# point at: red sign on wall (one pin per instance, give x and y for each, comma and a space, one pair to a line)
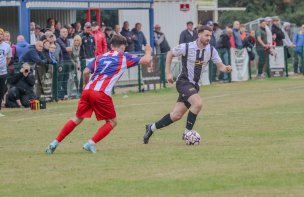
184, 7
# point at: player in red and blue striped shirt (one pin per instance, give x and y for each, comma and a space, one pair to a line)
96, 95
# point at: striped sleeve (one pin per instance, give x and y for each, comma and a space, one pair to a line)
131, 60
92, 65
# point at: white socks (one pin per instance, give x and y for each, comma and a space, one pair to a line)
153, 127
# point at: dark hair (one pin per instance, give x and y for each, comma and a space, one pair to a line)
189, 22
203, 28
118, 40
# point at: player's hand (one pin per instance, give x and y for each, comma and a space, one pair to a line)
170, 79
228, 68
148, 47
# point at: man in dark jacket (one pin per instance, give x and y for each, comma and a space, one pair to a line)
188, 35
125, 32
21, 91
140, 38
88, 47
65, 63
275, 29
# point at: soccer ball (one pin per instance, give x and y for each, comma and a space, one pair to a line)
192, 138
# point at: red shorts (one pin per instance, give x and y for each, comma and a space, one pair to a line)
99, 102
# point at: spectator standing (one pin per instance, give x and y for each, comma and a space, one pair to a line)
217, 31
188, 35
34, 54
275, 29
57, 29
88, 47
21, 47
76, 61
213, 40
116, 30
5, 58
65, 64
298, 41
38, 33
287, 43
33, 38
100, 39
140, 39
125, 32
160, 41
108, 32
52, 40
78, 30
268, 30
237, 35
21, 91
249, 43
262, 47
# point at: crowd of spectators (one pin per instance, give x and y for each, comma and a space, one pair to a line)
67, 45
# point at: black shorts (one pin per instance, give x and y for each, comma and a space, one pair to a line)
185, 90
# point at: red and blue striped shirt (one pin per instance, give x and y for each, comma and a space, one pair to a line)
108, 68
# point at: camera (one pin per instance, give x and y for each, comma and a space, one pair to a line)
26, 70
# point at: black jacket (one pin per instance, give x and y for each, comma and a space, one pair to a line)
223, 42
33, 56
25, 84
130, 39
280, 35
88, 47
64, 55
186, 37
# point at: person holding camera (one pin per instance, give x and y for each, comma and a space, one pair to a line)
21, 91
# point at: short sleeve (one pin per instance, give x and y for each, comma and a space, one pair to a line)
258, 33
9, 52
131, 60
215, 56
92, 65
179, 50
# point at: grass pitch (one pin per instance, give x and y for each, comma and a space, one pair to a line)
252, 145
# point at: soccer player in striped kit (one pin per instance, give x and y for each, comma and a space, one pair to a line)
96, 95
195, 58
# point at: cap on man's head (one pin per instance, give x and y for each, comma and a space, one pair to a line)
49, 34
94, 24
262, 20
276, 18
210, 23
68, 26
268, 19
87, 25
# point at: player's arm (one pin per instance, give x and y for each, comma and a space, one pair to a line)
86, 75
147, 57
223, 68
169, 75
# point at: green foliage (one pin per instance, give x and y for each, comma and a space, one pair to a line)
291, 10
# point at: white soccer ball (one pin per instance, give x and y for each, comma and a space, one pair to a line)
192, 138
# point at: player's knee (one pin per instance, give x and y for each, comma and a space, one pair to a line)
77, 120
113, 123
175, 116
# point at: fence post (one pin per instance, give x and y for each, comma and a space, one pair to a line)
302, 61
163, 69
139, 78
286, 61
229, 60
249, 69
267, 65
55, 82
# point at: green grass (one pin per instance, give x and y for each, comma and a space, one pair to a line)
252, 145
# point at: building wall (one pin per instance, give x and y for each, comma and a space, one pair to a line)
9, 21
167, 14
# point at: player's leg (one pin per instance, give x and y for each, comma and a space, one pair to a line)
196, 106
177, 113
101, 133
65, 131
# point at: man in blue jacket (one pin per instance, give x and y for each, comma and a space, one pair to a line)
21, 46
140, 38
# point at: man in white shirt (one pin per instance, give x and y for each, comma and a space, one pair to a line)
5, 58
195, 58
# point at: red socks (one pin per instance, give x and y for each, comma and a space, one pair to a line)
102, 132
66, 130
